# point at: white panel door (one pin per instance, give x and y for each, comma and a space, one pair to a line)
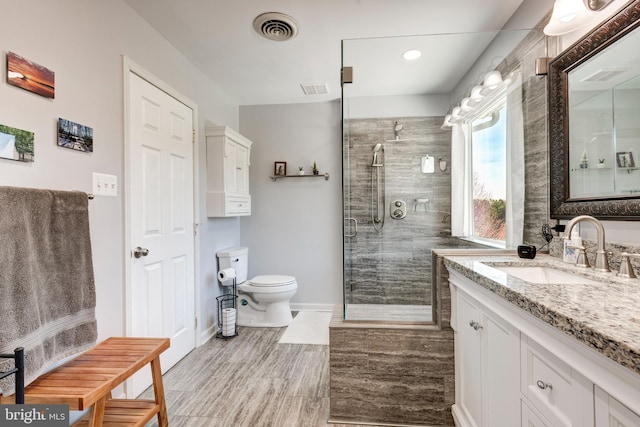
161, 210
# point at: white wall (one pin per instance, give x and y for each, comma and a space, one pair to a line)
83, 43
296, 224
364, 107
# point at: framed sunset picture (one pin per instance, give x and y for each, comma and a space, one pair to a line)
30, 76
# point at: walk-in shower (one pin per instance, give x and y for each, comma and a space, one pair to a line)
377, 188
387, 257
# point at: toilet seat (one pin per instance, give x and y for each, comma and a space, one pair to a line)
269, 284
272, 280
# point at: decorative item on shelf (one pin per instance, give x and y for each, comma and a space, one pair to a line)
280, 168
600, 163
625, 159
300, 170
584, 162
315, 169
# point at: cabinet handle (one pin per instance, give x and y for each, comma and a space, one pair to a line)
475, 325
543, 386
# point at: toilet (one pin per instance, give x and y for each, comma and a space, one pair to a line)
262, 301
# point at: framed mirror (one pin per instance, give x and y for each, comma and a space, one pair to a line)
594, 122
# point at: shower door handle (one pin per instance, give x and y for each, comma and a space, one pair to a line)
355, 227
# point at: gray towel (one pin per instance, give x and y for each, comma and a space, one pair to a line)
47, 289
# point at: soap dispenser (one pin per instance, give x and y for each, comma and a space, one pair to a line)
570, 253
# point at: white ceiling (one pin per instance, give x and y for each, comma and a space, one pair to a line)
218, 37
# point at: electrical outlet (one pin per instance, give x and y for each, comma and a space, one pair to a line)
105, 185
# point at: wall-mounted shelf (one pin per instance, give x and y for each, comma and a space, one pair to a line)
277, 177
603, 168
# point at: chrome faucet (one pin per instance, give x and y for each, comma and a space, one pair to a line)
602, 263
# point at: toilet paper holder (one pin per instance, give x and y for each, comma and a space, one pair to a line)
228, 313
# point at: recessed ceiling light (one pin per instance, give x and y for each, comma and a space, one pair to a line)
412, 55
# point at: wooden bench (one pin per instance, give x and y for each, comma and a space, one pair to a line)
87, 381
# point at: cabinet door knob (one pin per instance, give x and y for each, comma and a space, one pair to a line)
475, 325
543, 386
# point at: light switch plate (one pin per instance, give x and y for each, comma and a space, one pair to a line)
105, 185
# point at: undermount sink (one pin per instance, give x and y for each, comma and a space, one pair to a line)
543, 275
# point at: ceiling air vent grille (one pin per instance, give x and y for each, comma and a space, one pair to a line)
276, 26
315, 88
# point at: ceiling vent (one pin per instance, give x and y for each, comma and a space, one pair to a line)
315, 88
276, 26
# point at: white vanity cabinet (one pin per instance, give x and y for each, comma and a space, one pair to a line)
611, 413
560, 395
228, 161
513, 369
489, 371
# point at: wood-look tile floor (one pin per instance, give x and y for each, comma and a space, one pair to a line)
249, 381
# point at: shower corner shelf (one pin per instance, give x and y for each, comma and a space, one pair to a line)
277, 177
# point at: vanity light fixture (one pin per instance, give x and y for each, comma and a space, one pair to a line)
412, 54
492, 82
493, 79
569, 15
465, 104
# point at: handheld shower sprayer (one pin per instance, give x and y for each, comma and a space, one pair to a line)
376, 150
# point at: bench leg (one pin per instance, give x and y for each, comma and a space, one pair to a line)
96, 417
158, 390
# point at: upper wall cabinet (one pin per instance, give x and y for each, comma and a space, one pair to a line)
228, 155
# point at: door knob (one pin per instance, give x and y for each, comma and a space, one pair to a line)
138, 252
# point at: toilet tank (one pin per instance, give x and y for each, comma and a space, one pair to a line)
236, 258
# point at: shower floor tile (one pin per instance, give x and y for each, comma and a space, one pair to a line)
389, 312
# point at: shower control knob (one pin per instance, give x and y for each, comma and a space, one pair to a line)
398, 209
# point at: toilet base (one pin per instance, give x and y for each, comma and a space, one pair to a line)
266, 315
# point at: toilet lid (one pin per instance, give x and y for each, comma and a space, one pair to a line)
272, 280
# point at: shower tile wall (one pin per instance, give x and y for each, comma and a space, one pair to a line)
394, 266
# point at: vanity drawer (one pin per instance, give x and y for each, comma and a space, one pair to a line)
238, 205
558, 392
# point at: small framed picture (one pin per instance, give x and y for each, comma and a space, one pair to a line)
624, 159
280, 168
75, 136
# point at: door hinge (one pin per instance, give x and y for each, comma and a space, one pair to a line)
193, 136
195, 323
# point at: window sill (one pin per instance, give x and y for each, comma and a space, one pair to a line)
498, 244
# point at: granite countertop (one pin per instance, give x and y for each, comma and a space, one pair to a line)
605, 315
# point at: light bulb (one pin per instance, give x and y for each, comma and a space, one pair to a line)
567, 16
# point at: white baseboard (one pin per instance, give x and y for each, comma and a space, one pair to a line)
207, 334
311, 307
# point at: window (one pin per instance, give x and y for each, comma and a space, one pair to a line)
488, 170
487, 167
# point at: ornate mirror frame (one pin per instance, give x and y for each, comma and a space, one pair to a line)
562, 207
